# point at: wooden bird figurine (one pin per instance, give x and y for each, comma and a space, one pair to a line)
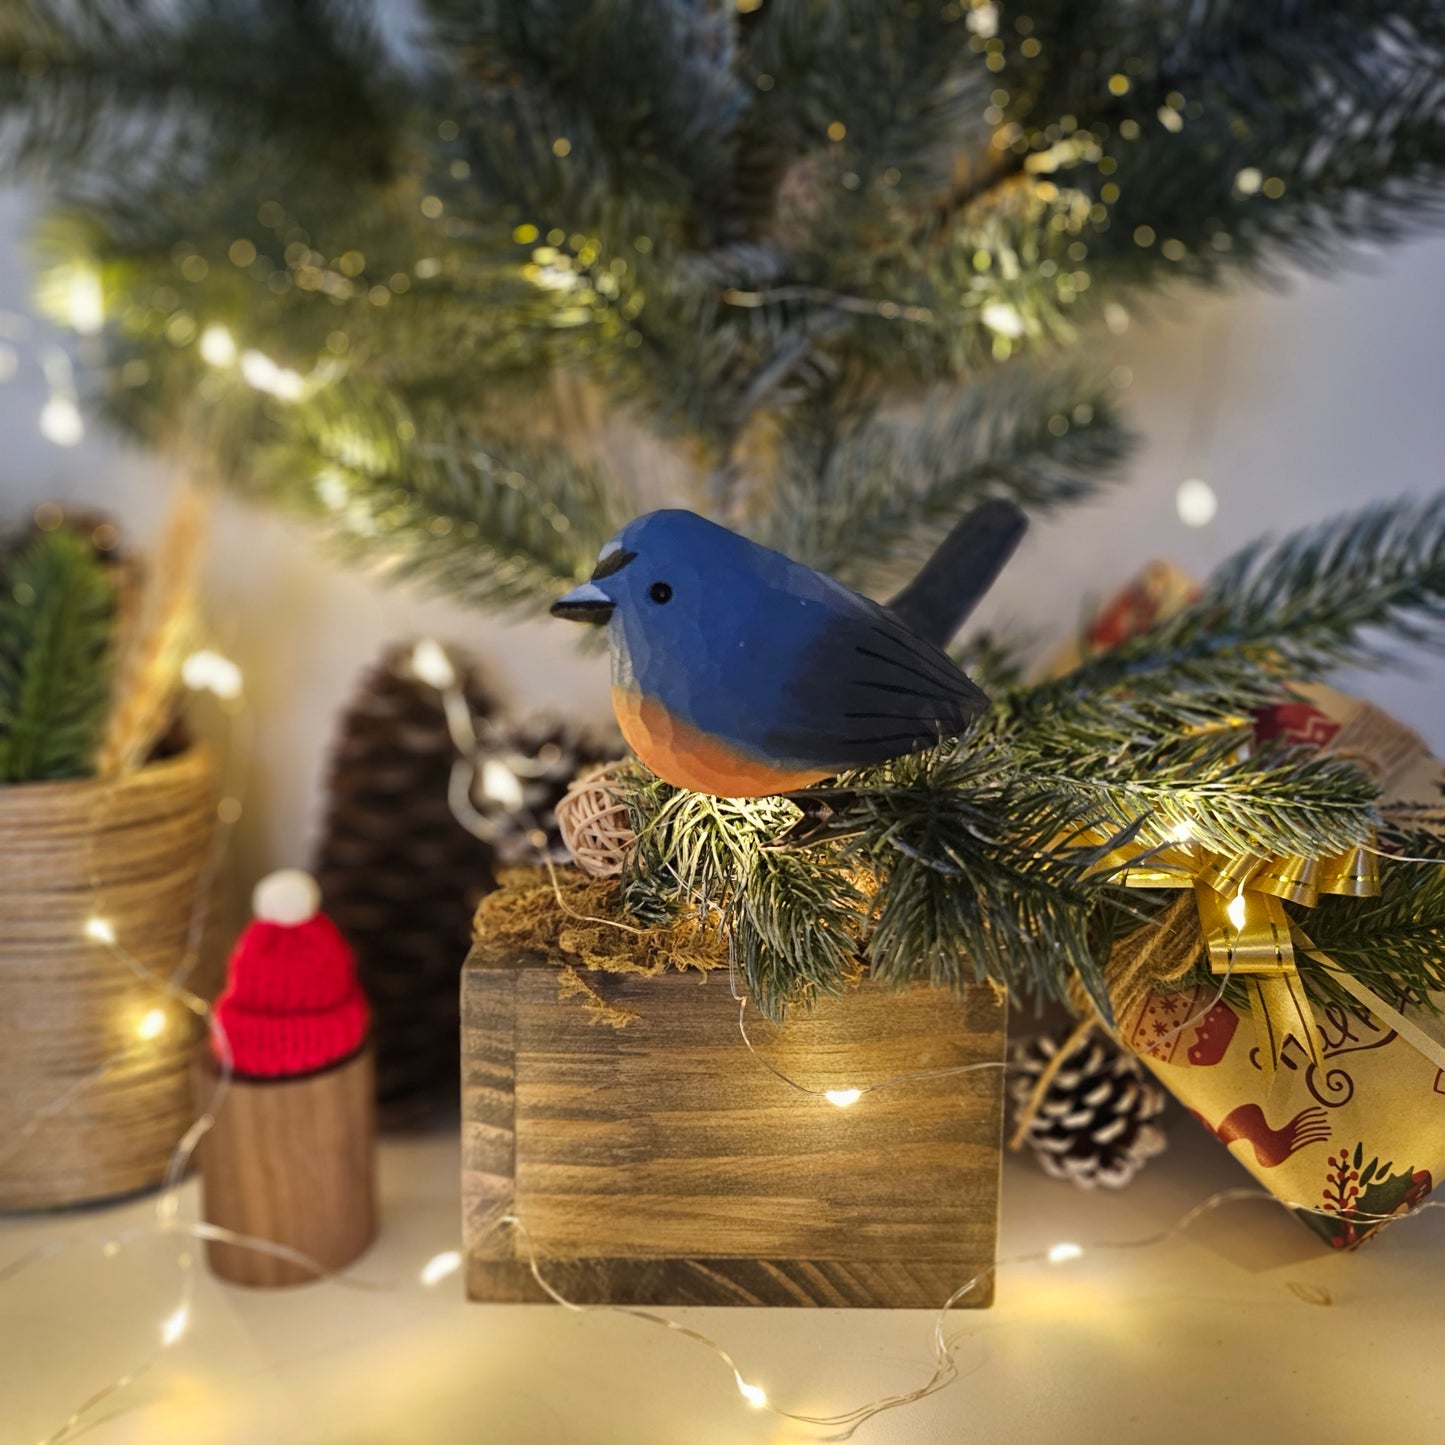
741, 673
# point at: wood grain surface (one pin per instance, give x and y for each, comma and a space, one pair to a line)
292, 1161
662, 1163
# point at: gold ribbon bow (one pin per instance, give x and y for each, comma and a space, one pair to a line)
1245, 928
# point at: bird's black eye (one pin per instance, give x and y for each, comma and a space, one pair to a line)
660, 592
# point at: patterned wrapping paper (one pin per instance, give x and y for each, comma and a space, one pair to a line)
1361, 1133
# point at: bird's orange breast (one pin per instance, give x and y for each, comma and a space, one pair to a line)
687, 757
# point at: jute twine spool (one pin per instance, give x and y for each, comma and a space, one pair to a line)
594, 822
89, 1108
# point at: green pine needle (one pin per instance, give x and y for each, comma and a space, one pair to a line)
1395, 944
491, 524
56, 612
865, 498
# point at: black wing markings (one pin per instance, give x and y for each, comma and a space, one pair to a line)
939, 685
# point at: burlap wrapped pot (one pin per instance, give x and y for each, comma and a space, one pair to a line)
94, 1086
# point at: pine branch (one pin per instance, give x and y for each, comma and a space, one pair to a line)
145, 89
943, 867
56, 609
691, 847
672, 138
1328, 596
1236, 133
493, 524
866, 499
873, 92
982, 874
1394, 944
1278, 800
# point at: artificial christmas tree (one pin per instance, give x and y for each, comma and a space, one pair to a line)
766, 232
830, 254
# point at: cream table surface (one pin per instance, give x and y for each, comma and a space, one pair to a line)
1245, 1330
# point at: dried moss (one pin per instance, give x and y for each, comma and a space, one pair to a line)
580, 923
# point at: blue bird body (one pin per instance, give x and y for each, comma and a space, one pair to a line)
739, 672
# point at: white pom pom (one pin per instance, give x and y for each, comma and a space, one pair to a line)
289, 897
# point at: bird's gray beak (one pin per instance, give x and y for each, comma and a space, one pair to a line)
587, 603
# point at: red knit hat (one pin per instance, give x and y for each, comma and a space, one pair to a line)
291, 1004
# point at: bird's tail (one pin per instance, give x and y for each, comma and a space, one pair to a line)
953, 581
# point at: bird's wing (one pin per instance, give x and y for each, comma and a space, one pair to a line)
867, 689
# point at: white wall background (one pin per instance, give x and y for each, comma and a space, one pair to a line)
1327, 396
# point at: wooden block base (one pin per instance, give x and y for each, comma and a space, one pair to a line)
663, 1164
292, 1161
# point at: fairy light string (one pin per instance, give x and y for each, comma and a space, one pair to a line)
215, 674
945, 1370
202, 672
846, 1423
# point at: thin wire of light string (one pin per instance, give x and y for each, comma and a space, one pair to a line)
171, 986
847, 1423
857, 1091
945, 1371
179, 1316
464, 777
854, 1092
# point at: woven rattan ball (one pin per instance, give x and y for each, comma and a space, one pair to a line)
593, 819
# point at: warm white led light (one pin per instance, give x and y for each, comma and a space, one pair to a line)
263, 374
1236, 910
439, 1266
501, 785
431, 664
218, 346
207, 671
1183, 832
153, 1025
755, 1395
61, 423
1003, 319
843, 1098
1064, 1251
84, 300
175, 1325
1196, 502
98, 930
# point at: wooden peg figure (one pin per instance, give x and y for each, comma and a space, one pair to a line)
292, 1156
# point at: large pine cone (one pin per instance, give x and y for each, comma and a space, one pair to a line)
401, 875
